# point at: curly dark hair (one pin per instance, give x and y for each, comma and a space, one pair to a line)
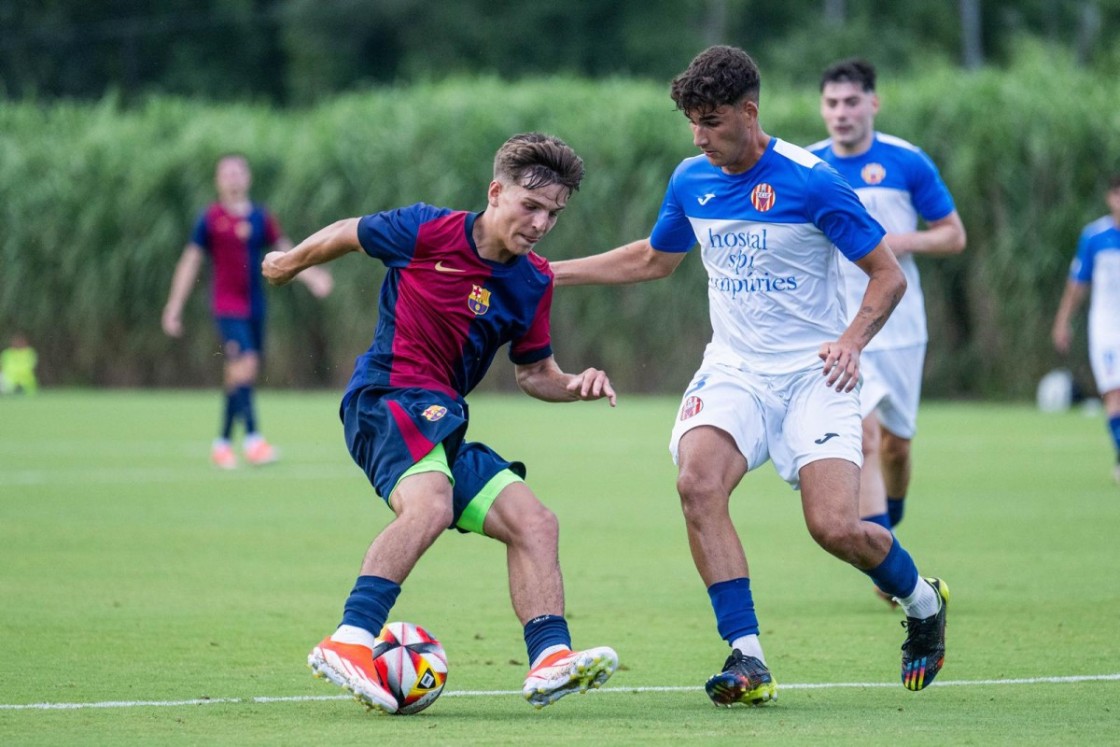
852, 70
534, 160
719, 75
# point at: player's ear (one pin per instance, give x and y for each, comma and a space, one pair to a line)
493, 193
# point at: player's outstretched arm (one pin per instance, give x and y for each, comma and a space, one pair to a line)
885, 286
318, 280
326, 244
545, 381
632, 263
943, 237
186, 272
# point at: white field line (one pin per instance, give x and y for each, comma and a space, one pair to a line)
490, 693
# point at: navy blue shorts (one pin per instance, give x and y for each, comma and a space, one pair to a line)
240, 335
390, 430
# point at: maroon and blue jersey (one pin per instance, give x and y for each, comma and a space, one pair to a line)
444, 310
236, 244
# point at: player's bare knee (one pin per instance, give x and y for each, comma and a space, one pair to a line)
896, 450
537, 524
872, 441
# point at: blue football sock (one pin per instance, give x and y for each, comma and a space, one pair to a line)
1114, 429
369, 603
882, 520
248, 413
895, 509
544, 632
232, 411
897, 575
733, 604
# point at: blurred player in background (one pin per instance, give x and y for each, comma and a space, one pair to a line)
1096, 268
17, 367
460, 286
769, 217
234, 232
899, 185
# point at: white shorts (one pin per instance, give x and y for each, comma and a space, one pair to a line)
793, 419
892, 387
1104, 356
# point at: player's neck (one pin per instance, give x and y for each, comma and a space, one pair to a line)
855, 149
487, 244
238, 204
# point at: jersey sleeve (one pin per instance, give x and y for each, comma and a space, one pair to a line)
836, 210
928, 192
536, 344
1081, 269
272, 232
391, 235
672, 232
200, 234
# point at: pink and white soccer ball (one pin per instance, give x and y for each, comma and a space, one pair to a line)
412, 665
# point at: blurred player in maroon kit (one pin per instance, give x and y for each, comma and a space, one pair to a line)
234, 232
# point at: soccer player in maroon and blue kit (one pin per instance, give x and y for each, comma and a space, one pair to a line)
460, 285
234, 232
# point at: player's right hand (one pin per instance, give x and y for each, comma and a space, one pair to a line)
272, 270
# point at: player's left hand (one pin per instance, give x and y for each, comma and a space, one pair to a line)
318, 280
841, 364
592, 384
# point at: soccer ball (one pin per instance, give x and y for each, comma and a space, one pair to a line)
412, 665
1055, 391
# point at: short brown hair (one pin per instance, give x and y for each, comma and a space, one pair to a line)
719, 75
852, 70
533, 160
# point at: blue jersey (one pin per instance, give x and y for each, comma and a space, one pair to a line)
897, 183
1097, 262
445, 311
768, 239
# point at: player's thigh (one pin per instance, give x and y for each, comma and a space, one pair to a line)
830, 494
425, 493
709, 463
1104, 357
895, 376
819, 423
728, 401
489, 490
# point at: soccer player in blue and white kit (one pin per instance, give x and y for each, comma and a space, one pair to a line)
769, 217
460, 285
899, 185
1096, 269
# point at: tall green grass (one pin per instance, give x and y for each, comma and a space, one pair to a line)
97, 201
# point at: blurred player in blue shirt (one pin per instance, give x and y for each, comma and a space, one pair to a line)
460, 285
770, 218
1096, 268
233, 233
901, 188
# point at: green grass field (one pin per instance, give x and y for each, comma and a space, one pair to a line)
168, 603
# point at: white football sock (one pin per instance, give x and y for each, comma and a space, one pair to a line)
923, 602
749, 645
355, 635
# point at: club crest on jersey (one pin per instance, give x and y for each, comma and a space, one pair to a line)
434, 412
873, 173
692, 406
762, 197
479, 300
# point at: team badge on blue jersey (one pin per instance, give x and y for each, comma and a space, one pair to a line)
692, 406
762, 197
434, 412
479, 300
873, 173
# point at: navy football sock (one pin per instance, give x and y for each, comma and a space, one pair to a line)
896, 575
733, 604
369, 603
882, 520
1114, 429
248, 413
544, 632
232, 410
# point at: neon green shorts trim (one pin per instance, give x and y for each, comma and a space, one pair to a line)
475, 512
434, 461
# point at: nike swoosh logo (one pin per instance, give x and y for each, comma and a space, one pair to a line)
441, 267
826, 437
704, 200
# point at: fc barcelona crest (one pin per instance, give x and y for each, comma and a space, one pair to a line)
434, 412
479, 300
873, 173
762, 197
